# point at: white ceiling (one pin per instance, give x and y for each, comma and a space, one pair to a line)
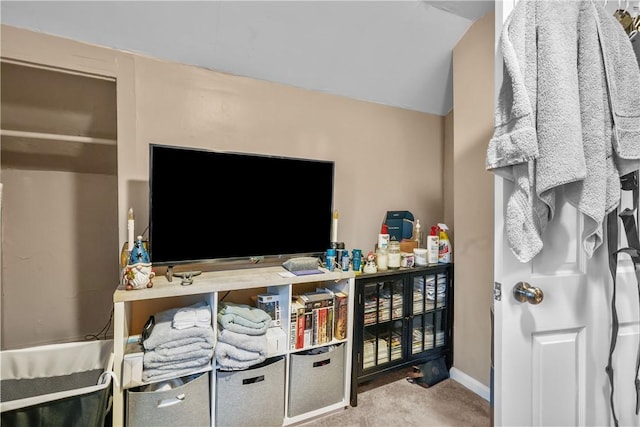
395, 53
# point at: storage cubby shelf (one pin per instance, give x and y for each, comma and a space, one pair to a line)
130, 307
222, 281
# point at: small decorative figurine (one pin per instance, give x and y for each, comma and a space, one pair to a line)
370, 264
138, 273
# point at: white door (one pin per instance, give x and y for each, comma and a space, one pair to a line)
550, 358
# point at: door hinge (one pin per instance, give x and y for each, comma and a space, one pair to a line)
497, 291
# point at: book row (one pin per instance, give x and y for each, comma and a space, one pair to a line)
318, 318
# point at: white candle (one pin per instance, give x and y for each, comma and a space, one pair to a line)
334, 227
130, 228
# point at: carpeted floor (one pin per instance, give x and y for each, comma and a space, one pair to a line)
397, 402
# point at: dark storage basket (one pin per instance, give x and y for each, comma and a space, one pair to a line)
57, 385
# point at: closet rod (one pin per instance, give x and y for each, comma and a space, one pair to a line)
57, 69
57, 137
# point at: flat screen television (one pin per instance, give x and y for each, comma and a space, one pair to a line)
212, 206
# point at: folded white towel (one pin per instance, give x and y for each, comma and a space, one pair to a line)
197, 315
184, 318
203, 317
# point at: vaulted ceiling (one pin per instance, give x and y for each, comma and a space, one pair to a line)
395, 53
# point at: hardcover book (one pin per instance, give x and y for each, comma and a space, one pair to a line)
341, 315
314, 301
297, 325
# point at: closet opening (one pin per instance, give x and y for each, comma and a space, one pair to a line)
58, 167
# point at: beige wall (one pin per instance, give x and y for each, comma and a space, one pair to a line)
447, 181
386, 158
473, 198
58, 276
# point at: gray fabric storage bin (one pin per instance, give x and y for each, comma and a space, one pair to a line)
251, 397
184, 405
316, 380
65, 384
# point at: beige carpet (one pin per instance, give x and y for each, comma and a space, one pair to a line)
400, 403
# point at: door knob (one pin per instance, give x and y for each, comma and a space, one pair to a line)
524, 292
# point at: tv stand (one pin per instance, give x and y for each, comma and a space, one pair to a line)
293, 384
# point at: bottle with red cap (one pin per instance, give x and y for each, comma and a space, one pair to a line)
383, 237
433, 246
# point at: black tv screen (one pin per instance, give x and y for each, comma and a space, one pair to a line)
210, 206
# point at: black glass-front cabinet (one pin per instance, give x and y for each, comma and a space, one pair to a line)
402, 317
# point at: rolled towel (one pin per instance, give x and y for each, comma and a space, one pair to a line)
257, 343
244, 319
242, 312
229, 322
228, 350
232, 358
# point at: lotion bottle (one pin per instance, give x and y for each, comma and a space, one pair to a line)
433, 242
383, 237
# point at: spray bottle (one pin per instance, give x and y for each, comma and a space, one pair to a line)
444, 252
433, 246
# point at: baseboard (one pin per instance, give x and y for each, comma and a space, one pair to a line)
471, 383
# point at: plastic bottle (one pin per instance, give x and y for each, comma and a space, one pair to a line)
433, 248
331, 259
417, 235
383, 237
345, 260
444, 246
357, 260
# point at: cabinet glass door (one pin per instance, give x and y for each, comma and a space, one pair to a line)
383, 323
429, 303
